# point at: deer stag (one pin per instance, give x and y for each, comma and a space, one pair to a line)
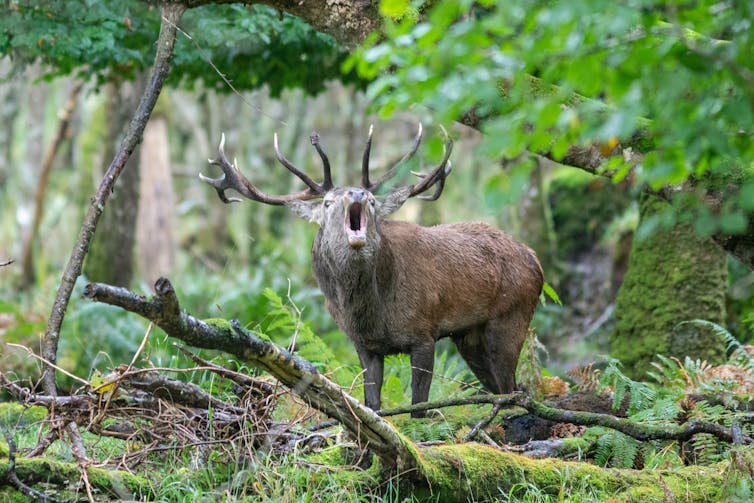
396, 287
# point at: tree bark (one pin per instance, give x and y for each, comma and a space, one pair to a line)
171, 15
156, 240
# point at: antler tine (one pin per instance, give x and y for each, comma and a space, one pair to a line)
392, 171
233, 179
327, 182
314, 186
365, 161
436, 176
440, 184
230, 173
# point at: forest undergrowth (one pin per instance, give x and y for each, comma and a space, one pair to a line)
187, 424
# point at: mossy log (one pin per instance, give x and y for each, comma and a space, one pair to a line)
112, 485
447, 472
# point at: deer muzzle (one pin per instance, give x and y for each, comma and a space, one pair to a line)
356, 225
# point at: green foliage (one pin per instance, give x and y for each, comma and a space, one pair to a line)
667, 401
250, 46
615, 449
548, 290
675, 83
283, 322
738, 355
451, 377
640, 395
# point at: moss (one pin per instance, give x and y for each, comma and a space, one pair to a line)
16, 414
472, 472
331, 456
220, 324
673, 276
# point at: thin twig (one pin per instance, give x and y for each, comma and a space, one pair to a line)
483, 423
49, 363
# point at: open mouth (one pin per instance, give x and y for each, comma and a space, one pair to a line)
356, 225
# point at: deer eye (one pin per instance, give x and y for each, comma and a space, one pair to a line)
327, 204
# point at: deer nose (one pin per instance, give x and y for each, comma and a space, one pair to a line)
356, 195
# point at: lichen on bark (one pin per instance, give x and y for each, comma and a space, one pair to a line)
673, 276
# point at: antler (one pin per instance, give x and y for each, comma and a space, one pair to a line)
233, 179
436, 176
372, 187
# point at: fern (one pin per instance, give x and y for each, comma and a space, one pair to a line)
428, 430
738, 356
665, 409
616, 450
283, 320
640, 395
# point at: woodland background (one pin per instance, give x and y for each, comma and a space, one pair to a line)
614, 141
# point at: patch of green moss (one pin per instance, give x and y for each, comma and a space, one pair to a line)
220, 324
16, 414
115, 483
473, 472
330, 456
673, 276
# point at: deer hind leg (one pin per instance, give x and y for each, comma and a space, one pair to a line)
492, 349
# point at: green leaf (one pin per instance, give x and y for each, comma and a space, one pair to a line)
550, 291
394, 9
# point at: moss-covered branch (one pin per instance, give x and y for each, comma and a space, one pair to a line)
296, 373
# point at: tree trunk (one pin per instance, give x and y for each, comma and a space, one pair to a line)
156, 240
673, 276
111, 256
536, 228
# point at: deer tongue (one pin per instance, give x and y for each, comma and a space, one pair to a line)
356, 225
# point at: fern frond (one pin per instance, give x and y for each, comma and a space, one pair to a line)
616, 450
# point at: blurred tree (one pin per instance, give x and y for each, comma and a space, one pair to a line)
673, 276
111, 255
155, 229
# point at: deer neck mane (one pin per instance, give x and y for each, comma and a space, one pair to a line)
354, 279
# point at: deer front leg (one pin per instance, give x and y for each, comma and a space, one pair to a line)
422, 363
373, 365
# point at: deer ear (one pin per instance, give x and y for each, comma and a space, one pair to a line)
308, 210
393, 201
